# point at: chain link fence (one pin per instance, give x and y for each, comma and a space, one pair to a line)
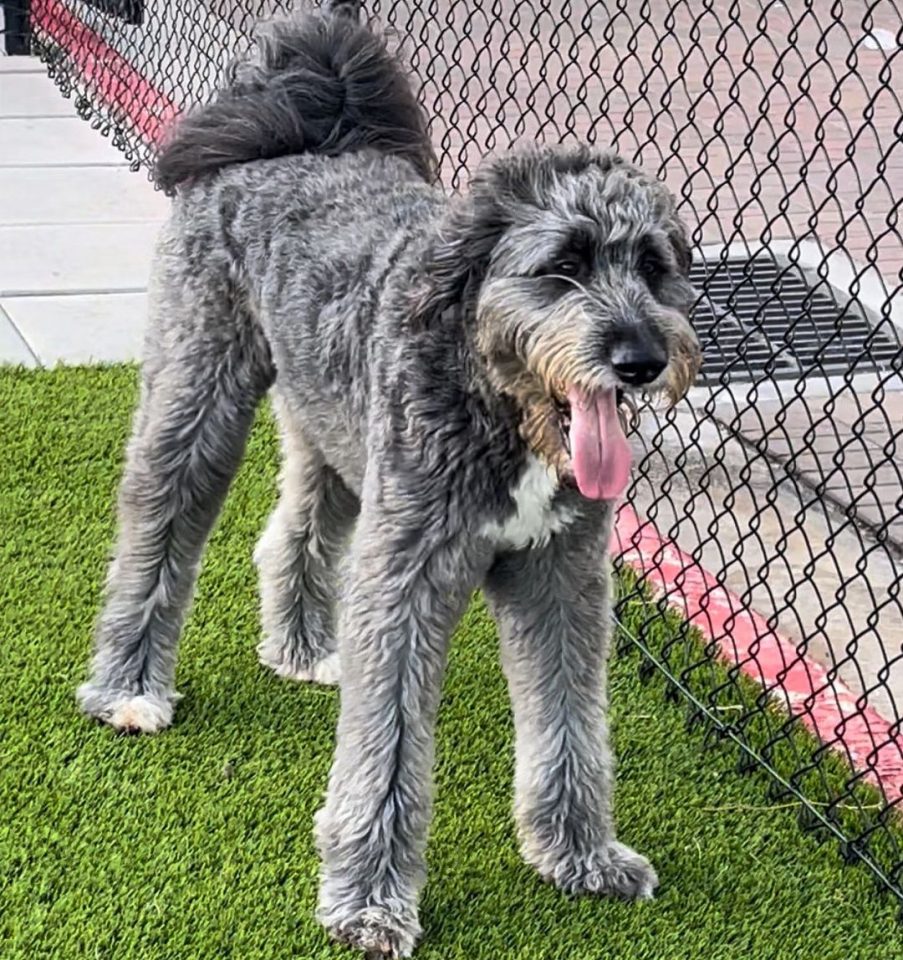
768, 506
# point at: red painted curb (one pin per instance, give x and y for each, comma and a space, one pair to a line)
803, 687
110, 76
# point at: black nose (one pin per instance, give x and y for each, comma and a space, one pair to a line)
638, 360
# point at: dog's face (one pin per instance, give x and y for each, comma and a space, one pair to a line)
579, 287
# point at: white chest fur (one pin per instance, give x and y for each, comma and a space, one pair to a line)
535, 519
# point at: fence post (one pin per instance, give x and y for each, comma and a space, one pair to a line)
16, 27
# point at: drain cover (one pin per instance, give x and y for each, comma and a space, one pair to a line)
758, 319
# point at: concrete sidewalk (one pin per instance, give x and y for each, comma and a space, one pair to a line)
76, 230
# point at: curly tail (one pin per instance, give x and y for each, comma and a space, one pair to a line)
321, 83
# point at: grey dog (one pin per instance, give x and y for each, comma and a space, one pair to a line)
446, 374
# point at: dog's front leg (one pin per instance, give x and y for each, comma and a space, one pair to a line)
553, 609
410, 578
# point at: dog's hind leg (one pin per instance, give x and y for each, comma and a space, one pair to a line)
199, 393
553, 610
298, 558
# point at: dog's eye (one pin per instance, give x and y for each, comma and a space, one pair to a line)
651, 268
569, 265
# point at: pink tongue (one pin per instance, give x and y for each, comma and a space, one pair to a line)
599, 450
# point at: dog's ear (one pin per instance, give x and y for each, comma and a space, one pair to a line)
455, 264
456, 261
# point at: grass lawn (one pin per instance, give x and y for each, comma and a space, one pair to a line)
197, 843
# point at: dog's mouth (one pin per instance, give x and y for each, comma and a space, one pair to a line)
592, 435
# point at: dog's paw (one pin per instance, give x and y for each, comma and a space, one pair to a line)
377, 931
126, 712
613, 871
325, 671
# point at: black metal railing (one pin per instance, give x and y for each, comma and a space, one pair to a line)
767, 506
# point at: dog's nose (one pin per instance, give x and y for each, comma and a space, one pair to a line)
637, 360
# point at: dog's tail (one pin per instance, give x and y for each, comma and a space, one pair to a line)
320, 83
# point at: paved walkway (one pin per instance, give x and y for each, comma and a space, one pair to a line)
76, 230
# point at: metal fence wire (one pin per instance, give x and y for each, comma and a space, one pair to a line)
766, 507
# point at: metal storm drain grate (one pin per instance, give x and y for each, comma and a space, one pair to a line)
757, 318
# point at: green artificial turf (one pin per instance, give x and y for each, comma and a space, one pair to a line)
197, 843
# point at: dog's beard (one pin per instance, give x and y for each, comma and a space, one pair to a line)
574, 415
597, 446
571, 418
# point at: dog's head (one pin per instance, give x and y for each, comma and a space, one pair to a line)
572, 266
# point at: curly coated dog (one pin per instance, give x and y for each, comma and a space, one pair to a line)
448, 376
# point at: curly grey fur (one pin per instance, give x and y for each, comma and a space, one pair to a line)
411, 342
322, 84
